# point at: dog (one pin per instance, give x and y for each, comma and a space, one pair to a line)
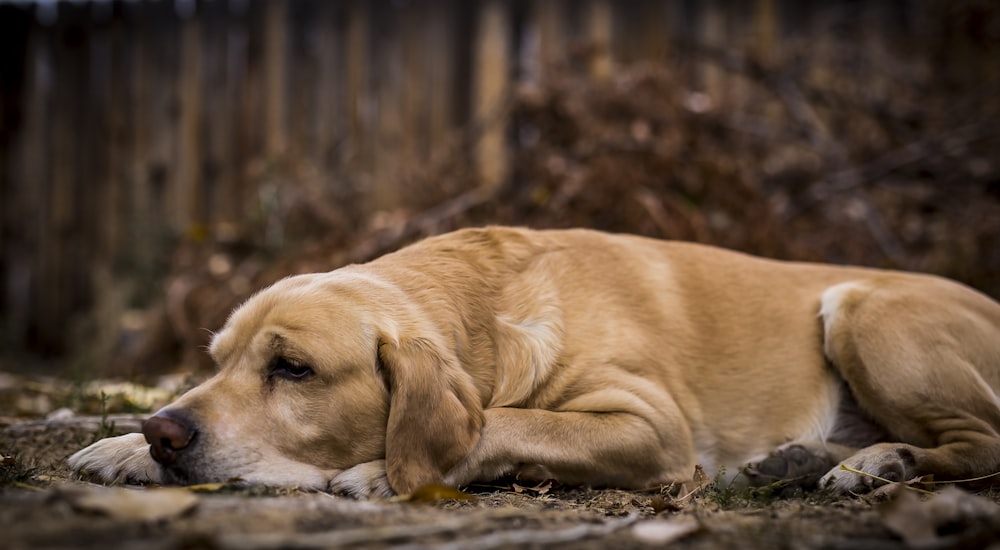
587, 358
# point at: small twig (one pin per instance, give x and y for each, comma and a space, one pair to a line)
883, 236
968, 480
422, 223
884, 480
911, 153
803, 113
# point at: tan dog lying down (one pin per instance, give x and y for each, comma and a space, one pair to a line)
587, 358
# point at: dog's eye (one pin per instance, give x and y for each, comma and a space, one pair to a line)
283, 368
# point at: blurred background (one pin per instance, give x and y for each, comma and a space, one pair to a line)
161, 160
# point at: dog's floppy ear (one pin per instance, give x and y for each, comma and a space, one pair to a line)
434, 413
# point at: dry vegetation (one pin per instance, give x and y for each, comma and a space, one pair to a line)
896, 171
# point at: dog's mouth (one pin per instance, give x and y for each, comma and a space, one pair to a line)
178, 474
172, 475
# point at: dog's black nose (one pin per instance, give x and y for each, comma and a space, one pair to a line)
167, 436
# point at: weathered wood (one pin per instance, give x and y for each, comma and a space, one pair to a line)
276, 77
388, 112
550, 23
440, 71
600, 23
765, 31
26, 196
188, 215
328, 119
491, 87
215, 126
357, 84
712, 34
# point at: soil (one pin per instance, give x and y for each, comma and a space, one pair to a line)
43, 506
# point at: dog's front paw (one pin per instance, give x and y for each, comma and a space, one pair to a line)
122, 459
795, 466
365, 480
878, 465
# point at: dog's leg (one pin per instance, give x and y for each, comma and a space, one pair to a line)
920, 361
121, 459
600, 448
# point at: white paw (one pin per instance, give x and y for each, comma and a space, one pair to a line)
878, 465
363, 481
119, 459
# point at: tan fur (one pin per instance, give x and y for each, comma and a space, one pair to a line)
590, 358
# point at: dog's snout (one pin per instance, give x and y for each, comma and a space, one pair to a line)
167, 436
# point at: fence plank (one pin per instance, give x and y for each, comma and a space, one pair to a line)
276, 77
712, 33
600, 22
491, 84
388, 110
188, 216
550, 21
357, 83
24, 283
328, 120
439, 66
218, 89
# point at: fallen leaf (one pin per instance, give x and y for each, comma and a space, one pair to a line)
208, 487
131, 504
700, 478
664, 531
920, 484
432, 493
661, 504
698, 482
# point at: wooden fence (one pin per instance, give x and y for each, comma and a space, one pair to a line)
131, 126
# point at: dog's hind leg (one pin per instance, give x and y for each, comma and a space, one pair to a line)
921, 356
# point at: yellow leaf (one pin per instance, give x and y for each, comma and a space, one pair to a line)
434, 492
207, 487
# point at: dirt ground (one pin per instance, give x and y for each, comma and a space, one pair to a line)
42, 506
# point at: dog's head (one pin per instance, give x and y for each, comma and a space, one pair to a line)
319, 373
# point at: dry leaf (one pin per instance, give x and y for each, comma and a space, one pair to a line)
700, 478
661, 504
208, 487
696, 484
923, 484
664, 531
434, 492
132, 504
